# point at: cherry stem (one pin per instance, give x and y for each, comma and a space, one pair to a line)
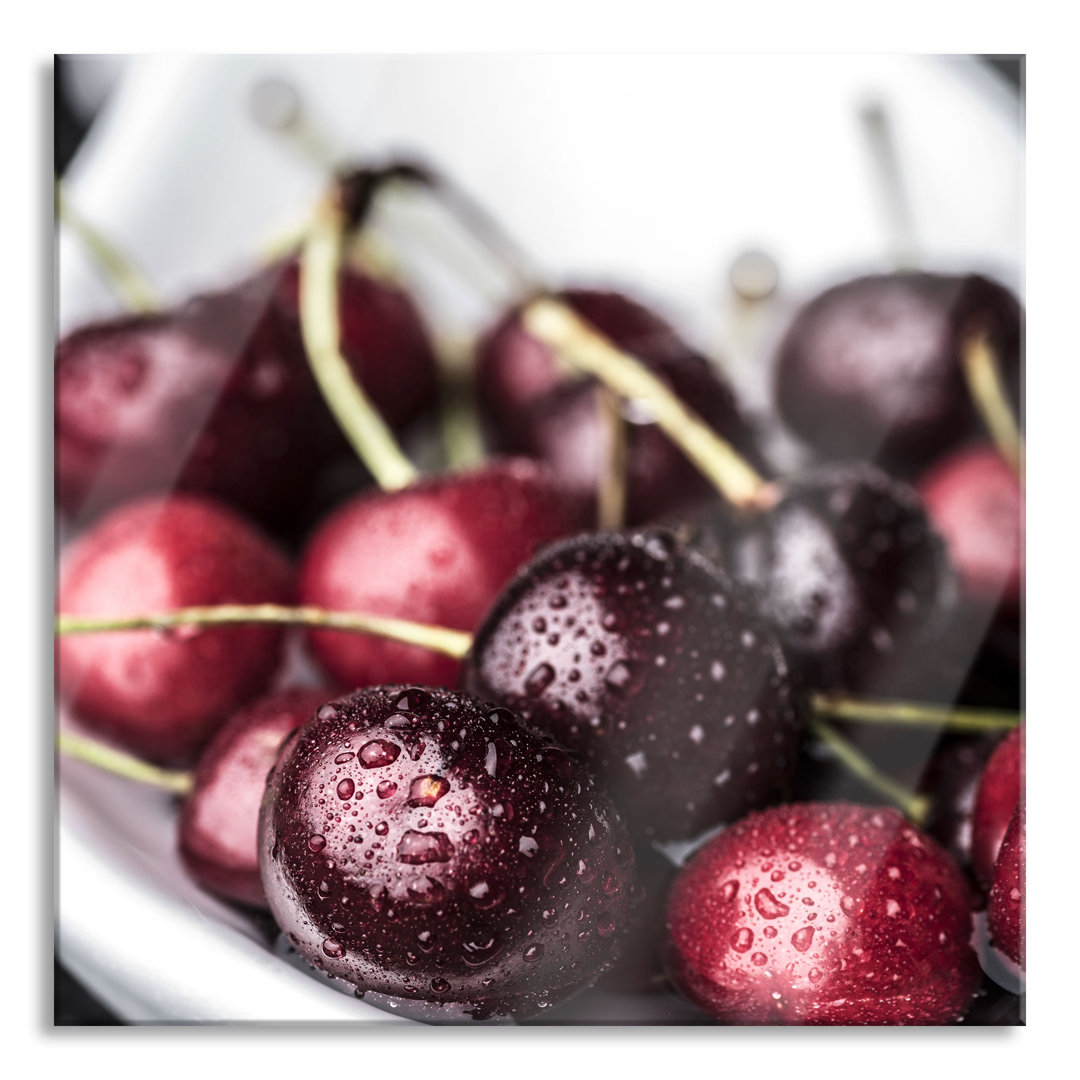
114, 761
559, 327
912, 713
128, 282
458, 421
611, 485
440, 639
915, 806
365, 429
983, 373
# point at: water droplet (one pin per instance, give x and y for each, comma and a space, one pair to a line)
717, 671
345, 789
316, 842
424, 847
341, 759
427, 790
480, 951
439, 985
638, 764
382, 829
378, 753
729, 890
697, 734
742, 939
620, 676
814, 975
759, 958
539, 624
413, 700
605, 924
532, 954
385, 789
539, 679
528, 846
332, 948
768, 906
327, 712
803, 939
472, 836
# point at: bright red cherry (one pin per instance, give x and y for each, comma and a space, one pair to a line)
1000, 789
219, 822
1005, 909
162, 695
823, 913
436, 552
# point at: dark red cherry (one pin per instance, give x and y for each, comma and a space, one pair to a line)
1000, 789
1005, 907
638, 655
871, 368
219, 822
823, 913
432, 849
975, 502
851, 572
161, 695
216, 397
533, 407
437, 552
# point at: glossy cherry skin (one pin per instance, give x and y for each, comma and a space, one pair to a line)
219, 821
657, 669
436, 552
532, 406
430, 848
1000, 789
851, 573
1005, 908
823, 913
975, 502
217, 397
870, 369
161, 695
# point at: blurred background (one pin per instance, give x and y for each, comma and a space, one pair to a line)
84, 85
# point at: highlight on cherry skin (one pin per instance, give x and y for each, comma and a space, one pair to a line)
823, 913
432, 850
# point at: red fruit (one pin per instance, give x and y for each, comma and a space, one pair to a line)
161, 695
533, 407
422, 845
823, 913
437, 552
657, 669
217, 396
219, 822
1005, 909
975, 501
1000, 789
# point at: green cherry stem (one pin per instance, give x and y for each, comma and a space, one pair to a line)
611, 484
916, 807
440, 639
121, 764
320, 324
559, 327
128, 282
983, 374
912, 714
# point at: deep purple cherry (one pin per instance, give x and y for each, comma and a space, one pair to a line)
432, 849
656, 668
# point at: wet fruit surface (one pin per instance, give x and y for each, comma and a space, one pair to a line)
533, 406
851, 572
1006, 903
422, 845
162, 694
437, 552
652, 665
219, 822
823, 913
871, 368
1000, 789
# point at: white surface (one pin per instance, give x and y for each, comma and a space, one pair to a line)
655, 171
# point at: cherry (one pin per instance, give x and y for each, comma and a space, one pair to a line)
975, 501
162, 695
1005, 908
435, 552
1000, 789
871, 368
432, 849
823, 913
533, 408
657, 669
216, 397
219, 821
851, 572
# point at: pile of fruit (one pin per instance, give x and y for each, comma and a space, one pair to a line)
618, 706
